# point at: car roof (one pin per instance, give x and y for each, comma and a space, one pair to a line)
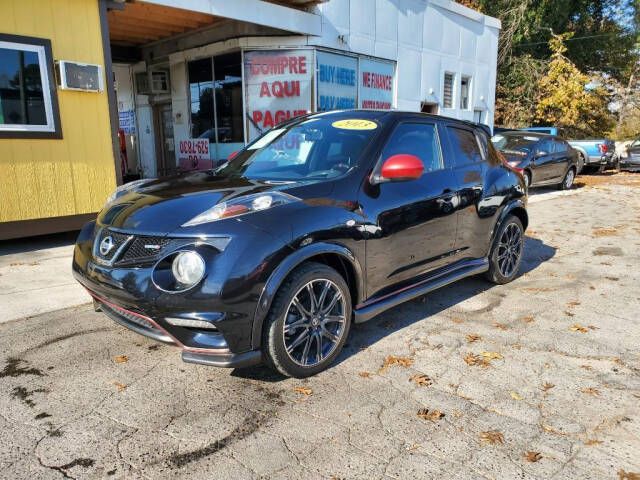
381, 114
525, 133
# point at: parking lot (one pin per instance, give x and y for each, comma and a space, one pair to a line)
539, 378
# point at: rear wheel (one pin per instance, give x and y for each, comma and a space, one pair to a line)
507, 250
581, 161
567, 182
309, 321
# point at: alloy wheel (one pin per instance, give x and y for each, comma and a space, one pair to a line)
568, 181
314, 323
509, 250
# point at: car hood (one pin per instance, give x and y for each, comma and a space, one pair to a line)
159, 207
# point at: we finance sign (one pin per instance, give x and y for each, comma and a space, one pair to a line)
346, 82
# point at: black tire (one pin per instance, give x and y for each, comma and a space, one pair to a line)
495, 273
567, 181
581, 162
273, 340
527, 178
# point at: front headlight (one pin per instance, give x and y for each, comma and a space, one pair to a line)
122, 189
241, 206
188, 268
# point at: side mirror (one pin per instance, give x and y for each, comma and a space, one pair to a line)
400, 168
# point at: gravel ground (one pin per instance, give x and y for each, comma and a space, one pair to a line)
536, 379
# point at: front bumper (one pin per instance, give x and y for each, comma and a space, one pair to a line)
146, 326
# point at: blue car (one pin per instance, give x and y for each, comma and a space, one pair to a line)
592, 154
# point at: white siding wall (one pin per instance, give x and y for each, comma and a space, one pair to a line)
427, 38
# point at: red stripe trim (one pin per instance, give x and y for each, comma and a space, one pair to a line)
155, 324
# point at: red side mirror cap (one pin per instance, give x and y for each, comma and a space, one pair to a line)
402, 167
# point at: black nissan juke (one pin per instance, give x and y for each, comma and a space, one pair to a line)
328, 219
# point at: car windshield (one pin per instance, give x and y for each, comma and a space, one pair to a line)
316, 148
514, 143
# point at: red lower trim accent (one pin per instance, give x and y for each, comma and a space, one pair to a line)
155, 324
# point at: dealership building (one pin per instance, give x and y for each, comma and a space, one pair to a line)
145, 88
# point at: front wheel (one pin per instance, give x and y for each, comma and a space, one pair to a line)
309, 321
567, 182
507, 250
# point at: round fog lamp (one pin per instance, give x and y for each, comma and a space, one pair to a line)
188, 268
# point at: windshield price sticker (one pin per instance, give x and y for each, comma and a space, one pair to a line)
355, 124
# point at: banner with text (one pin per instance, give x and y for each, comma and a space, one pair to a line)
278, 87
193, 154
337, 81
376, 84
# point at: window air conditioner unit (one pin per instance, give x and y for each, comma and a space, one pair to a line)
84, 77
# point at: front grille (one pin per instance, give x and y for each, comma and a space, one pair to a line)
143, 249
107, 244
141, 322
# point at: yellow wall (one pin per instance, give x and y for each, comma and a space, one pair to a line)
74, 175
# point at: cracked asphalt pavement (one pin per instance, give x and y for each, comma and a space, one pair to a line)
536, 379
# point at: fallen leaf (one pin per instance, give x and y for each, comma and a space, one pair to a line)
591, 327
515, 396
587, 367
499, 325
517, 346
364, 374
604, 232
591, 287
303, 390
422, 380
120, 386
392, 360
527, 319
476, 361
570, 276
532, 456
457, 320
427, 414
491, 355
122, 359
569, 314
613, 279
413, 447
492, 437
474, 337
591, 391
573, 304
622, 475
549, 429
578, 328
591, 442
547, 386
457, 413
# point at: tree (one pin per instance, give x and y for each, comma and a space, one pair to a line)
569, 98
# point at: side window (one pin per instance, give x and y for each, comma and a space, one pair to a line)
418, 139
545, 146
465, 145
559, 146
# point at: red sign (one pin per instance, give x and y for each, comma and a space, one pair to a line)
193, 154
